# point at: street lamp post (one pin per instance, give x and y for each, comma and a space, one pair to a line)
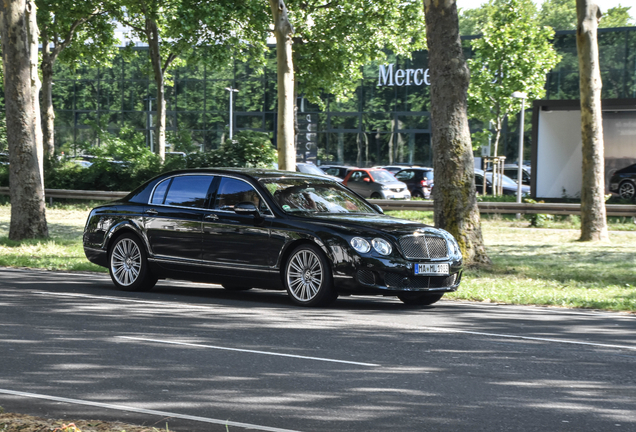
522, 96
232, 91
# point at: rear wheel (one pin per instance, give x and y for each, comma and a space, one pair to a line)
420, 299
128, 264
308, 277
627, 190
417, 194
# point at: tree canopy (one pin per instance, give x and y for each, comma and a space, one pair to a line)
513, 54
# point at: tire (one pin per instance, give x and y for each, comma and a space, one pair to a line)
128, 264
236, 288
627, 190
307, 277
376, 195
417, 194
420, 299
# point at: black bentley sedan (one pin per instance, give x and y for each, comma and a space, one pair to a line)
252, 228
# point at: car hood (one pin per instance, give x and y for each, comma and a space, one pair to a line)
363, 224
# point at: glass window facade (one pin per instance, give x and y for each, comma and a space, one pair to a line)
385, 121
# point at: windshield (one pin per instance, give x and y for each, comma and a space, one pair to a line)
296, 195
506, 181
310, 169
383, 176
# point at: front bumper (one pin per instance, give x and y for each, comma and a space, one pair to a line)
389, 194
388, 277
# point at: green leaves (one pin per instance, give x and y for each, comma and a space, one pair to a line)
513, 54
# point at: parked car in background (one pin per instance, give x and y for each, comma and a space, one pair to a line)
418, 180
337, 170
509, 185
512, 171
395, 168
623, 182
4, 158
310, 168
376, 183
256, 228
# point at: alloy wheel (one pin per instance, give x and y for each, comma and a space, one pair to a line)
627, 190
304, 275
126, 262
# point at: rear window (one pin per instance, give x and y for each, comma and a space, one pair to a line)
185, 191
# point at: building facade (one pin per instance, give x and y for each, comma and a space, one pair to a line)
387, 119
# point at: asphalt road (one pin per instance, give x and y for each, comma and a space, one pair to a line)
204, 359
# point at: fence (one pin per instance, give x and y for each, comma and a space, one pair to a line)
484, 207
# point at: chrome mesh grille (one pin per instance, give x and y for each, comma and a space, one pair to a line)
423, 247
366, 277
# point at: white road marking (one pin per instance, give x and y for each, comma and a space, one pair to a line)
436, 329
145, 411
564, 341
247, 351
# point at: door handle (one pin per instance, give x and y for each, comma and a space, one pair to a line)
152, 212
211, 216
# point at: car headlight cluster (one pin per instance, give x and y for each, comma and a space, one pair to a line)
381, 246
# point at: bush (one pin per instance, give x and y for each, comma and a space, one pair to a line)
122, 163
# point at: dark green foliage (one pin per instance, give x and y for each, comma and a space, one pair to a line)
119, 165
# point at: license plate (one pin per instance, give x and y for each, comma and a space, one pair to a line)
431, 269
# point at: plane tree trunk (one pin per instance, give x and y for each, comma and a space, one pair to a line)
593, 216
28, 216
285, 132
455, 197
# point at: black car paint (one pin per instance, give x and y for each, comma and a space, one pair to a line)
279, 232
625, 179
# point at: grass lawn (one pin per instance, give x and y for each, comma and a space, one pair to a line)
542, 266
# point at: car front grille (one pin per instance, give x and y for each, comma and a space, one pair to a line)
423, 246
395, 280
397, 189
366, 277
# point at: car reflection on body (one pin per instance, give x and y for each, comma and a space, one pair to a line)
250, 228
376, 183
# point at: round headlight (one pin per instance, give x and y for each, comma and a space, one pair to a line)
381, 246
360, 244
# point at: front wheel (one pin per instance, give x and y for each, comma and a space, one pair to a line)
420, 299
627, 190
128, 264
308, 277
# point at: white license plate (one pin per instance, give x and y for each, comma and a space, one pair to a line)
432, 269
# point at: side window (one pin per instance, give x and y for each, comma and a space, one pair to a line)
332, 171
233, 191
160, 192
405, 175
479, 180
189, 191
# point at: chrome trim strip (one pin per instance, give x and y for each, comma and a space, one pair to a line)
242, 267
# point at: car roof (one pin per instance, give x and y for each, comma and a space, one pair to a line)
255, 173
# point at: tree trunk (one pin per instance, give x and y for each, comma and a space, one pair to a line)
28, 218
47, 111
36, 84
155, 59
455, 199
285, 132
593, 217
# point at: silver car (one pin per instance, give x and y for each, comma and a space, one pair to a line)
376, 183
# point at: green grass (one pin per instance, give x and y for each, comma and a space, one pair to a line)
61, 251
549, 266
540, 266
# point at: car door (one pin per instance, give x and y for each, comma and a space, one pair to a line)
174, 216
237, 242
357, 183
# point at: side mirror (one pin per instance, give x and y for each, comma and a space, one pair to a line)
367, 179
246, 208
378, 208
